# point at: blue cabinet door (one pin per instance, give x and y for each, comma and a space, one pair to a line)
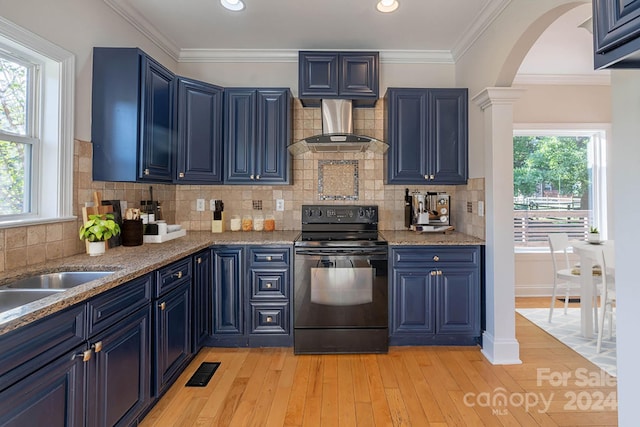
458, 302
51, 396
258, 131
448, 139
330, 75
240, 124
173, 335
413, 305
407, 132
156, 144
119, 373
228, 293
359, 76
273, 135
202, 289
318, 74
132, 117
427, 133
199, 133
616, 31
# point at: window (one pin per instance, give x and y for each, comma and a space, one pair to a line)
559, 184
36, 128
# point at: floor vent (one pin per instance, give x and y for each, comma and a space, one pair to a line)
201, 377
570, 299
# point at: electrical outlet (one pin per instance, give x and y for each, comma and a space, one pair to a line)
480, 208
279, 204
200, 205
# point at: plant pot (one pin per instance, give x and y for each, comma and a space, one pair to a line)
96, 248
593, 237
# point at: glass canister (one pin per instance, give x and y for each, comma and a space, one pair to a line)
269, 223
258, 222
235, 223
247, 223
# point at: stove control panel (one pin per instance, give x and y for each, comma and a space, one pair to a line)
331, 214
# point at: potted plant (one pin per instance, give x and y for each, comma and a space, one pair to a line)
594, 235
96, 231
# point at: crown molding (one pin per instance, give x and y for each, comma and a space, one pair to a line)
602, 78
487, 15
291, 55
140, 23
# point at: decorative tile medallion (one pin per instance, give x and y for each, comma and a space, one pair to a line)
337, 179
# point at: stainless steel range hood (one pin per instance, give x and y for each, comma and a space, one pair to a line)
337, 133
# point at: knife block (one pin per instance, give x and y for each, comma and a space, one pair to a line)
217, 223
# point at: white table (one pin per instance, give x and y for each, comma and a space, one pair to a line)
587, 253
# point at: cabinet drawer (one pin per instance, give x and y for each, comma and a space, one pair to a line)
270, 318
110, 307
415, 256
24, 350
269, 256
269, 283
173, 275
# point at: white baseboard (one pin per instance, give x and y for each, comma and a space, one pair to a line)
543, 290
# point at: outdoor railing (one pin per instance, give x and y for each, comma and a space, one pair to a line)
531, 227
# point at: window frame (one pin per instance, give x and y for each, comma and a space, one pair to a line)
601, 133
53, 99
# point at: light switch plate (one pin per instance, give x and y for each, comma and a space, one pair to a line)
200, 205
480, 208
279, 204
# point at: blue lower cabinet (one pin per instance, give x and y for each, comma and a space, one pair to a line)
119, 386
50, 396
251, 296
435, 295
202, 301
172, 335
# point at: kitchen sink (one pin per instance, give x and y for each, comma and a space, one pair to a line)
56, 281
12, 298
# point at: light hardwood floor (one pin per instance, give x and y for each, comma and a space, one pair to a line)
409, 386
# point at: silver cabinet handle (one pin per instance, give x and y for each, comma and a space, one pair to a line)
257, 176
178, 274
436, 258
97, 347
181, 175
199, 260
251, 177
146, 171
269, 258
162, 306
268, 285
269, 319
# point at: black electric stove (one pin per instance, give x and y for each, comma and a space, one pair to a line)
341, 288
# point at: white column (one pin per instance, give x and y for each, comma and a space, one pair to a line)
499, 344
625, 106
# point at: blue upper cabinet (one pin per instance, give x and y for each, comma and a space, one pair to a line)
258, 132
427, 133
616, 33
348, 75
199, 134
133, 117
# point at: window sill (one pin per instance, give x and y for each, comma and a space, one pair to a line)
34, 221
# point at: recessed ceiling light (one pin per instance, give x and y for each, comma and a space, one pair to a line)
387, 6
235, 5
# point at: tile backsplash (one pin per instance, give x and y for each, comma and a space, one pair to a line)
21, 246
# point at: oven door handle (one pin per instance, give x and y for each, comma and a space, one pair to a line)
339, 252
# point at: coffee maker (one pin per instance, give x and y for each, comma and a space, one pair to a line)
422, 209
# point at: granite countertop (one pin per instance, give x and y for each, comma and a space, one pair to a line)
407, 237
130, 262
127, 263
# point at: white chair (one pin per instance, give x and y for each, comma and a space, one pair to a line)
559, 243
608, 296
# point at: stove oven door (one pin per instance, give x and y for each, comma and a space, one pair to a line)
340, 300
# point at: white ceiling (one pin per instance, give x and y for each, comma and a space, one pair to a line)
419, 31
